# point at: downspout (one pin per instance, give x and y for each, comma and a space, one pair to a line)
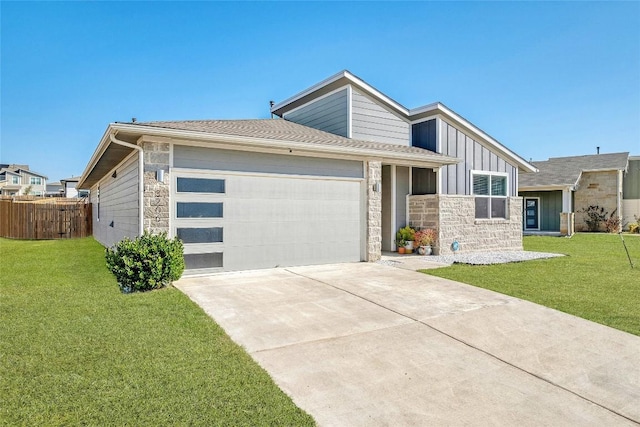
140, 178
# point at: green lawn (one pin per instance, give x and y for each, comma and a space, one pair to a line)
594, 281
75, 351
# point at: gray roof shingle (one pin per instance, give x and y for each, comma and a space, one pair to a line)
283, 130
565, 171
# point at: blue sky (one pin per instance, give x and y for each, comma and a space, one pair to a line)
546, 79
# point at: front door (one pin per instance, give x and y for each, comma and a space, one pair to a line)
531, 214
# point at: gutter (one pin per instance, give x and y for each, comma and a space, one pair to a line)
140, 178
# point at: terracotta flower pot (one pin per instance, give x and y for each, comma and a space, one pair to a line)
401, 250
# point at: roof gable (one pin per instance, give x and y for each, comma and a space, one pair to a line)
346, 78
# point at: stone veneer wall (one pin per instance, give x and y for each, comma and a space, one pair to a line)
156, 193
567, 223
374, 212
598, 189
454, 218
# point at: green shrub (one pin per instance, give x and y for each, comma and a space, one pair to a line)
148, 262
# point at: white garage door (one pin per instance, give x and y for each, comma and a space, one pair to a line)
237, 221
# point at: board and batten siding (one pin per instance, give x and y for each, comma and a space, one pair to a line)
371, 121
119, 204
456, 178
189, 157
328, 114
550, 208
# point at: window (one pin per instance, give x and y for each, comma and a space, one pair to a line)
15, 180
199, 210
35, 180
490, 190
200, 235
195, 261
200, 185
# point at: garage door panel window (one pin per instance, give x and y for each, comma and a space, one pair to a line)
199, 210
200, 185
490, 191
201, 261
200, 235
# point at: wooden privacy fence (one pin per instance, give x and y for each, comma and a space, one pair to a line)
45, 218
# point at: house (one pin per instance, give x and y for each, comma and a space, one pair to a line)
631, 192
555, 197
54, 189
16, 180
330, 180
69, 187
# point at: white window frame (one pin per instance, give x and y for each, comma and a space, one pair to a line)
35, 180
491, 174
15, 179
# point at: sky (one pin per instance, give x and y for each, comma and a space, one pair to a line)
546, 79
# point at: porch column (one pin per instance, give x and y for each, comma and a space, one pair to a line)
567, 215
566, 200
374, 211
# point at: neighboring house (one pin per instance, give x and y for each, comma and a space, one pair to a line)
15, 180
555, 197
69, 187
330, 182
631, 192
54, 189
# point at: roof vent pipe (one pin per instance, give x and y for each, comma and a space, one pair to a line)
271, 104
597, 150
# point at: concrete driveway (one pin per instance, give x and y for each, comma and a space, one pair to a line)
368, 344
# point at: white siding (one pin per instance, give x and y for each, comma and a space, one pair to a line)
118, 204
373, 122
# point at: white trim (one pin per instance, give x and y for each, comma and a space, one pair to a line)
349, 111
547, 188
172, 209
326, 95
394, 213
524, 213
474, 172
425, 119
567, 202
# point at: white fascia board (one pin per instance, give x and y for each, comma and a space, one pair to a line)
341, 88
452, 115
310, 90
604, 170
361, 84
546, 188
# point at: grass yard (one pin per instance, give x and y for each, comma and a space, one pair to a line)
75, 351
594, 281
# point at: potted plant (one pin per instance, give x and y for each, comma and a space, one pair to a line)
404, 239
424, 239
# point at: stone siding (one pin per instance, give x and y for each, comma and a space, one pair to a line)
601, 189
156, 193
454, 218
374, 211
567, 223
